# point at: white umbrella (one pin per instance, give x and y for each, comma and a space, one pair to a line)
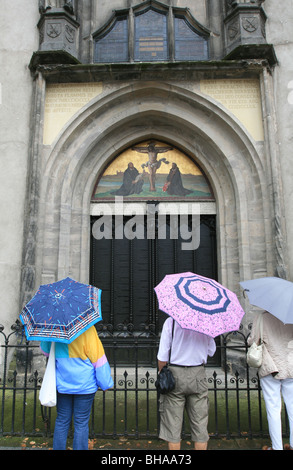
273, 294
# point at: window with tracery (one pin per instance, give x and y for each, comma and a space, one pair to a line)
151, 32
188, 44
150, 36
113, 46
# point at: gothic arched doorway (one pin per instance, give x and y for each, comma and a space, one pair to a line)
130, 254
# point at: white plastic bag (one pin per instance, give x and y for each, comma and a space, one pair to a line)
48, 394
254, 355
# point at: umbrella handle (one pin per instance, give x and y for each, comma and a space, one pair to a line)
245, 290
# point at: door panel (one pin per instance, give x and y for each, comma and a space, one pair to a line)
128, 270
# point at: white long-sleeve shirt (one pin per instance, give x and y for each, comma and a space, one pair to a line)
189, 348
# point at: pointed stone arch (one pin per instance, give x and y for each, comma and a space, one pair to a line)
198, 126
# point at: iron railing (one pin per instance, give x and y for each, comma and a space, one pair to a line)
130, 409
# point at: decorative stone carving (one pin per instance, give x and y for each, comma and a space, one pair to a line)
58, 31
250, 23
54, 30
45, 5
231, 4
233, 30
244, 25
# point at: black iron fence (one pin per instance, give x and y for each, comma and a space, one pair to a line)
130, 409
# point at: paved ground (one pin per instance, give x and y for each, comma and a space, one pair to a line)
12, 443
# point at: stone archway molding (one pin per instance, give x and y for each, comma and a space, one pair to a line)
199, 126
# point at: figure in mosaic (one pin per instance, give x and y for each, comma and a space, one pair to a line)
153, 164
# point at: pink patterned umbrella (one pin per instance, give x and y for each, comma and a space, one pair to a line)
199, 303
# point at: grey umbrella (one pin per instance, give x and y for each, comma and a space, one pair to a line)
273, 294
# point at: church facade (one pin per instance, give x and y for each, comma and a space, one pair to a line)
122, 119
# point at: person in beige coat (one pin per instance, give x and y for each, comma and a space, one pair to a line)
276, 374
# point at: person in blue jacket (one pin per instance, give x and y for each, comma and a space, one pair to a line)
81, 369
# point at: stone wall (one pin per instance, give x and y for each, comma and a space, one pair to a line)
46, 185
278, 28
179, 113
19, 39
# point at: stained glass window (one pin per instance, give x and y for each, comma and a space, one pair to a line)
150, 37
146, 34
113, 47
188, 44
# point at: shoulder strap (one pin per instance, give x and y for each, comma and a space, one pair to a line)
260, 327
172, 341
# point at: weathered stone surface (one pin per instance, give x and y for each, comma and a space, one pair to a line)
47, 189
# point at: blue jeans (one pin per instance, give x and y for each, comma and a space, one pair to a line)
78, 406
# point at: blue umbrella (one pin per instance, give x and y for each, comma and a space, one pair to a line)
273, 294
61, 311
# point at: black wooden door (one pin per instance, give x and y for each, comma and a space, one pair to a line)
128, 270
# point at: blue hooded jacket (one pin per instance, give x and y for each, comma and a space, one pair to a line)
81, 366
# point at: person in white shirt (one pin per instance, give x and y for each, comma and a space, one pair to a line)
189, 353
